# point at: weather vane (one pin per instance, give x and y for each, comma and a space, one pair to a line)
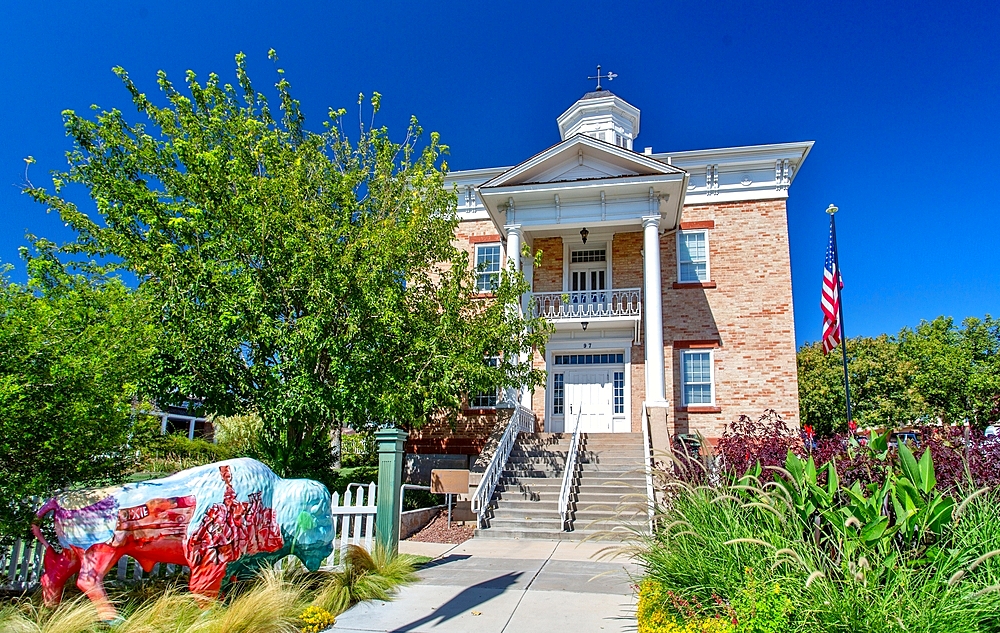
599, 77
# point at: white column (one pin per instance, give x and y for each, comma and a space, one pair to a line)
652, 302
514, 244
515, 237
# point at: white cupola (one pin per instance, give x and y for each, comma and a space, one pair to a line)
602, 115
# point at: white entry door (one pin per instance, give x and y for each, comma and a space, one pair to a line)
588, 400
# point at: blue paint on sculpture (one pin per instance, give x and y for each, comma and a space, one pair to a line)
222, 520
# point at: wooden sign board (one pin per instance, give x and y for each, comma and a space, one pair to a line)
450, 481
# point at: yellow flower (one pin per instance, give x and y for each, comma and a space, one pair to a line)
316, 619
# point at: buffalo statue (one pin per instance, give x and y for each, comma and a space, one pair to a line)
223, 520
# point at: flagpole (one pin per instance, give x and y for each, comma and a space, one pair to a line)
843, 337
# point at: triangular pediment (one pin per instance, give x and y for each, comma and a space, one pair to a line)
580, 158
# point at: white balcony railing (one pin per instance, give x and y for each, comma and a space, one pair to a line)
589, 304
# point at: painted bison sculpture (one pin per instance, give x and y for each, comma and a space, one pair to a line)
223, 521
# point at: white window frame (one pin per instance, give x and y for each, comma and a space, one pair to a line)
593, 244
708, 257
496, 273
711, 384
492, 361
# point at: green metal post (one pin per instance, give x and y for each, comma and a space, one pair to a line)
390, 478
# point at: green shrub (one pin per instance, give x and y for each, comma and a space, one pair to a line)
239, 434
358, 449
887, 557
761, 607
417, 499
168, 454
340, 479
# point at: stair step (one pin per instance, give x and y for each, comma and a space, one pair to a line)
608, 485
545, 535
527, 514
608, 497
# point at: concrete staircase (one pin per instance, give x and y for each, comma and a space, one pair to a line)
526, 502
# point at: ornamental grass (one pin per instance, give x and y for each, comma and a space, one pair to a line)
794, 548
275, 601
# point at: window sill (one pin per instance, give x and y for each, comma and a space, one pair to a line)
700, 409
481, 411
694, 284
485, 295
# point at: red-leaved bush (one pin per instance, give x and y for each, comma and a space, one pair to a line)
962, 458
765, 440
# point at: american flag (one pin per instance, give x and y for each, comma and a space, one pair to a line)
832, 283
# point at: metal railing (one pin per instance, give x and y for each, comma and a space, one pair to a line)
647, 451
521, 421
567, 481
589, 304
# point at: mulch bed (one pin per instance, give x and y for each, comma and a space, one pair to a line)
437, 531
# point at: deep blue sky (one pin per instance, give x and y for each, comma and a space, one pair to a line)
902, 99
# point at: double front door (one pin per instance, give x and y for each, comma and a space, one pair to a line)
589, 403
587, 287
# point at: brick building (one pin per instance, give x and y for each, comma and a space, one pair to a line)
666, 276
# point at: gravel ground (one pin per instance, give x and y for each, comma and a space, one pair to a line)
437, 531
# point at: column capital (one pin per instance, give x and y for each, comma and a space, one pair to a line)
513, 229
651, 220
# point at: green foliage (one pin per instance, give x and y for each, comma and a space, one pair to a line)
661, 611
958, 369
306, 276
417, 499
239, 435
761, 607
71, 350
338, 480
937, 370
882, 385
168, 454
358, 449
891, 557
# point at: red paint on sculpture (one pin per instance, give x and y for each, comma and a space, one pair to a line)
206, 528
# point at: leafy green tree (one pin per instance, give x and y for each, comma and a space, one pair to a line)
937, 370
300, 275
71, 348
957, 368
882, 385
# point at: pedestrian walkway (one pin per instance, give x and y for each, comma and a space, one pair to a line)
497, 586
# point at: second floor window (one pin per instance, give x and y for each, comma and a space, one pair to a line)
692, 256
487, 267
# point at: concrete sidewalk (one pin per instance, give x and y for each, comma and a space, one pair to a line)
492, 586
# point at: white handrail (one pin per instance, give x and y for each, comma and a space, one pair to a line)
567, 482
647, 449
521, 421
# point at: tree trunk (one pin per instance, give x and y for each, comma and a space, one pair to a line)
336, 445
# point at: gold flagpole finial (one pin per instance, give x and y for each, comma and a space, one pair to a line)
832, 209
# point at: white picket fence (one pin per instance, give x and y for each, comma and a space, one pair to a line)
353, 524
353, 521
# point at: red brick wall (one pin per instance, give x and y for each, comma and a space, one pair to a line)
466, 437
549, 276
626, 260
748, 314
